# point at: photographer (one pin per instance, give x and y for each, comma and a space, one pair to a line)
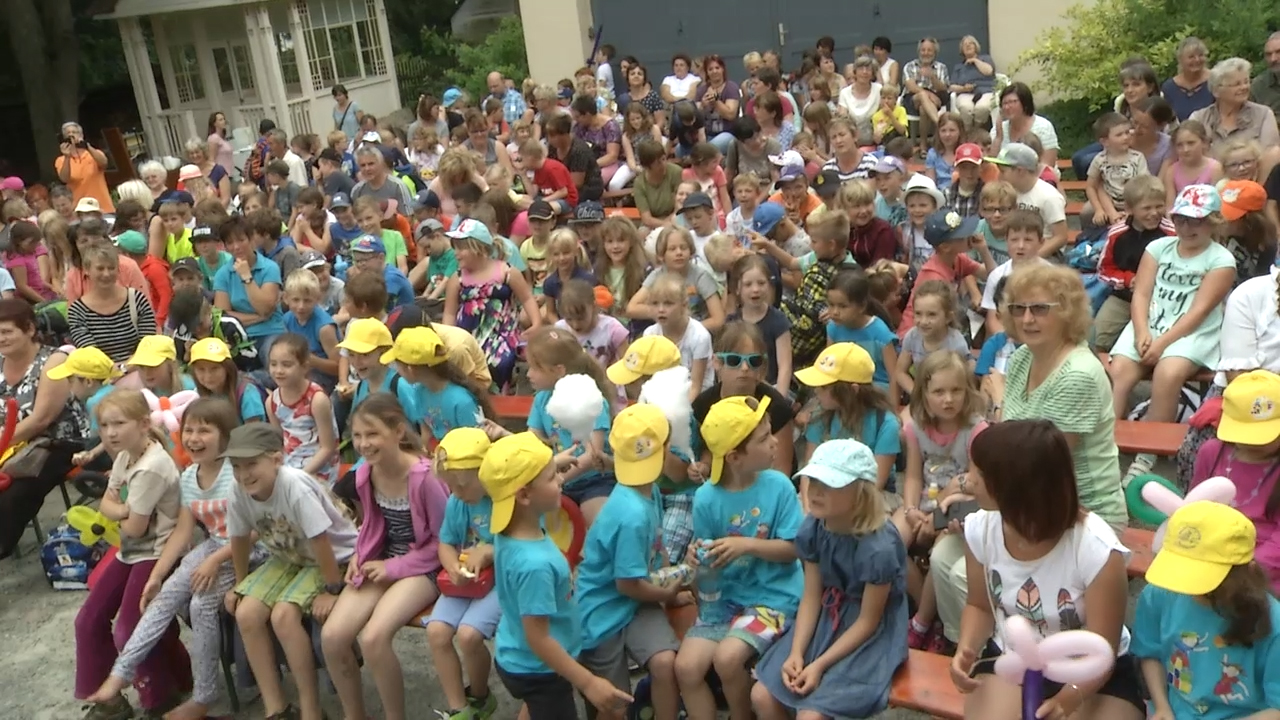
82, 167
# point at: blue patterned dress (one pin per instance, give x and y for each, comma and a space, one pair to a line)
486, 310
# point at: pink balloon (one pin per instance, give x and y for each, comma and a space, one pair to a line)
1071, 656
1216, 489
167, 412
1161, 498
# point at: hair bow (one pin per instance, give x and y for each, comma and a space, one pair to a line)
1068, 657
166, 412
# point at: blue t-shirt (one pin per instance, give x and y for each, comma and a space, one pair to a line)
251, 405
399, 289
895, 214
552, 284
873, 338
767, 510
452, 407
343, 236
1204, 678
880, 432
466, 524
91, 407
995, 353
264, 271
560, 438
311, 329
942, 169
396, 385
624, 543
533, 580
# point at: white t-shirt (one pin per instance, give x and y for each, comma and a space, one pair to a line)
6, 281
1042, 128
1048, 592
862, 109
297, 169
298, 510
1001, 272
680, 88
886, 69
604, 75
695, 344
1046, 200
604, 342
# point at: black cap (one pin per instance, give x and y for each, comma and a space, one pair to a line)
827, 184
588, 211
696, 200
404, 317
331, 155
203, 232
541, 210
427, 199
187, 263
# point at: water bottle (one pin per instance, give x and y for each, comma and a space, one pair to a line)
711, 609
930, 503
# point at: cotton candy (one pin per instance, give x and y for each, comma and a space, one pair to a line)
668, 390
575, 405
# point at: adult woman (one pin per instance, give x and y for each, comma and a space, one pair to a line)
1233, 116
1188, 91
1036, 539
828, 72
38, 198
61, 200
1150, 116
135, 190
155, 176
639, 90
768, 112
484, 144
972, 82
719, 98
890, 72
90, 233
847, 158
860, 98
1137, 82
109, 316
545, 103
600, 132
82, 167
47, 413
346, 113
219, 147
1018, 118
680, 84
926, 83
248, 289
429, 112
198, 154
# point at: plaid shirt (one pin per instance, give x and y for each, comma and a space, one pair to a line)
911, 71
965, 206
513, 106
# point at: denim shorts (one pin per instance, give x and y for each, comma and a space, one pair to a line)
590, 488
482, 614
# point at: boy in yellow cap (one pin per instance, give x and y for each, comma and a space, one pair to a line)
644, 357
156, 360
443, 397
621, 608
539, 635
367, 340
1206, 630
745, 520
466, 550
90, 372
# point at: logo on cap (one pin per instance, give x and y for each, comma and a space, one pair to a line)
1263, 409
1188, 538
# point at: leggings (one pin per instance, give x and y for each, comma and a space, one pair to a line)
205, 631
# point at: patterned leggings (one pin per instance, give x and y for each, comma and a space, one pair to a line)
173, 597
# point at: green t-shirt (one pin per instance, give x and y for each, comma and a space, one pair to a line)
658, 200
1076, 397
393, 241
440, 268
208, 271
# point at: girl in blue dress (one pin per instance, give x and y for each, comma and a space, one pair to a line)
854, 586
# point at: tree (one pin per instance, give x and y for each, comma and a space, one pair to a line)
449, 63
47, 52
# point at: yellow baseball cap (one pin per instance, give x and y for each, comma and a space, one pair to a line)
645, 356
1251, 409
841, 362
87, 362
728, 423
416, 346
153, 351
639, 442
462, 449
211, 349
511, 463
1203, 541
365, 335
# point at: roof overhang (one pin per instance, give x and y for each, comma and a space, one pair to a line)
116, 9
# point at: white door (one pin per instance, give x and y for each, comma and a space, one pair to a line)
235, 74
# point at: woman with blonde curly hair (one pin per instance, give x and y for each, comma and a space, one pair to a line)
458, 166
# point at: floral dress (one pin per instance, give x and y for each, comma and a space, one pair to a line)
71, 425
302, 434
486, 310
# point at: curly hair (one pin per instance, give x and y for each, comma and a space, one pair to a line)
1063, 285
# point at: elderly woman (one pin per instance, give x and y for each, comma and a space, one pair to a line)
48, 414
973, 80
1019, 118
1233, 116
719, 98
546, 104
198, 154
927, 85
860, 99
1188, 90
82, 167
156, 178
681, 84
109, 316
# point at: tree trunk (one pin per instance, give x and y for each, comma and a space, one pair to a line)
46, 51
62, 47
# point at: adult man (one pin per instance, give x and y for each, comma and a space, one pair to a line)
280, 150
576, 155
376, 179
1266, 87
81, 167
512, 101
1020, 167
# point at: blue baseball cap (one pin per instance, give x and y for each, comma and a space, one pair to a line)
841, 463
339, 200
472, 230
767, 217
368, 244
451, 96
426, 199
946, 225
588, 211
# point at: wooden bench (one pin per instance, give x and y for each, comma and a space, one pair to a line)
1072, 185
512, 407
1154, 438
1140, 554
629, 213
923, 684
1074, 208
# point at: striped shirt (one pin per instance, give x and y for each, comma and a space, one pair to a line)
209, 507
399, 528
116, 334
866, 166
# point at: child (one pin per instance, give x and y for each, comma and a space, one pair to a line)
308, 542
216, 375
551, 178
310, 230
1111, 169
890, 175
333, 179
538, 634
369, 254
425, 150
444, 397
552, 355
436, 261
699, 212
1193, 165
209, 254
264, 227
331, 288
28, 262
601, 336
933, 304
142, 495
751, 283
665, 298
941, 161
367, 339
793, 188
1212, 589
964, 192
946, 412
1248, 231
722, 251
1020, 167
806, 311
705, 170
855, 316
770, 222
486, 297
536, 248
951, 235
568, 263
306, 318
133, 245
90, 372
369, 215
621, 606
391, 576
346, 228
282, 193
586, 222
192, 318
1177, 312
993, 360
997, 201
1024, 238
156, 361
871, 237
745, 518
922, 200
746, 193
851, 552
621, 266
889, 121
174, 214
700, 293
300, 408
202, 576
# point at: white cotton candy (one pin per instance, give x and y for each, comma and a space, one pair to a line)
575, 405
668, 390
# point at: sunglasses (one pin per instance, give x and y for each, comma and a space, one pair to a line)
733, 360
1037, 309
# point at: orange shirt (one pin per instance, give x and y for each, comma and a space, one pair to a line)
87, 179
130, 276
798, 214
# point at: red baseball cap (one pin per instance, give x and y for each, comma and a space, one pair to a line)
970, 153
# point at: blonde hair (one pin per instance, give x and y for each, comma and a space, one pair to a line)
1143, 189
668, 286
889, 90
935, 363
664, 240
870, 512
719, 249
1231, 147
302, 282
135, 190
455, 167
1064, 286
751, 57
854, 193
550, 346
336, 139
133, 405
830, 225
999, 192
565, 239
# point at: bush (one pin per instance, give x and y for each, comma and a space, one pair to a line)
449, 63
1080, 57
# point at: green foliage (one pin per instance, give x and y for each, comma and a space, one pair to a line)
1080, 57
1073, 121
444, 62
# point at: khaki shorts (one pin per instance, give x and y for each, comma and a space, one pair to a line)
1110, 322
278, 581
648, 634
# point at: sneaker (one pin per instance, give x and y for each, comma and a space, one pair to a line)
117, 709
917, 640
1141, 465
938, 642
485, 707
466, 713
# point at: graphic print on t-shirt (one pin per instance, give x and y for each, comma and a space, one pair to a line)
1030, 604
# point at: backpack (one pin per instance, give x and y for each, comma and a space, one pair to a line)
51, 323
248, 384
412, 178
67, 561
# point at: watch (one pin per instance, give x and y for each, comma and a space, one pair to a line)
334, 589
964, 483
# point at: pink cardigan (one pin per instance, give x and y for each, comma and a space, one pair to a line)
428, 496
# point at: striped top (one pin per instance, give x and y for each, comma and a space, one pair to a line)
209, 507
116, 334
866, 166
399, 524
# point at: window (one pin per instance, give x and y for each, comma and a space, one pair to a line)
235, 71
186, 73
244, 66
343, 40
288, 59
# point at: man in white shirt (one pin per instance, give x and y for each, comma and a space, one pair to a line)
278, 142
1020, 167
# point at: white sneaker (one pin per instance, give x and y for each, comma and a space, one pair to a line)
1141, 465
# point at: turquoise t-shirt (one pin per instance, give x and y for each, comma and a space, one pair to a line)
466, 524
533, 580
1204, 678
624, 543
560, 438
999, 246
311, 329
442, 267
264, 271
452, 407
187, 382
881, 434
251, 406
873, 338
91, 407
224, 260
396, 385
895, 214
767, 510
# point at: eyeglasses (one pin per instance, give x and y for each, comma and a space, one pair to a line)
1003, 209
1037, 309
1185, 221
733, 360
1240, 164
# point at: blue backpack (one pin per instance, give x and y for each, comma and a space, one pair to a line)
67, 561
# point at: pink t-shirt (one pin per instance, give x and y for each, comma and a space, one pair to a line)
1255, 482
934, 269
711, 187
31, 263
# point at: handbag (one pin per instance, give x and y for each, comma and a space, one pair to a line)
479, 586
25, 460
